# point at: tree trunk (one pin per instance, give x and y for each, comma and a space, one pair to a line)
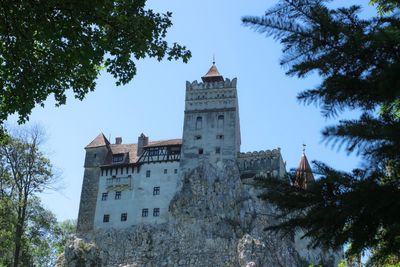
20, 229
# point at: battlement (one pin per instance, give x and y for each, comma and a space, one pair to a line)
260, 154
195, 85
261, 163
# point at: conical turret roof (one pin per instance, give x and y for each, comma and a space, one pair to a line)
100, 140
212, 75
304, 175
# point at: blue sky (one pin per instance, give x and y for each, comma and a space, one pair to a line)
153, 102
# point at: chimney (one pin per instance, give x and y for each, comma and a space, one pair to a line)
142, 142
118, 140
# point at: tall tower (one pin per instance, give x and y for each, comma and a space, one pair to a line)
211, 129
96, 153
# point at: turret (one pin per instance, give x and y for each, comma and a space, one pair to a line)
304, 175
96, 153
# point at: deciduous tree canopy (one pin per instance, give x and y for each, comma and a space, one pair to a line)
48, 47
359, 63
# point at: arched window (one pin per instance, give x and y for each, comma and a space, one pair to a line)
220, 121
199, 123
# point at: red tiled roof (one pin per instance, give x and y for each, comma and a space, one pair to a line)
212, 75
100, 140
304, 174
131, 150
170, 142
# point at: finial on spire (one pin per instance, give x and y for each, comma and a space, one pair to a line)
213, 59
304, 148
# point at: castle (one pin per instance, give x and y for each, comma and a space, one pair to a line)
130, 184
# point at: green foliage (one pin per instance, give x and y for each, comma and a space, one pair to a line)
65, 230
28, 232
385, 6
342, 263
48, 47
359, 63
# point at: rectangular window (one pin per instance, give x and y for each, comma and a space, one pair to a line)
145, 212
118, 195
124, 217
197, 137
156, 212
176, 171
156, 190
118, 158
104, 196
200, 151
106, 218
165, 171
148, 173
217, 150
220, 136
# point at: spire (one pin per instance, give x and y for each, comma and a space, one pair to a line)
303, 175
100, 140
213, 74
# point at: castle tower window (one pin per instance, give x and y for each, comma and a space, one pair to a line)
200, 151
217, 150
104, 196
199, 123
145, 212
124, 217
156, 212
176, 171
165, 171
220, 136
118, 195
148, 173
197, 137
220, 121
156, 190
106, 218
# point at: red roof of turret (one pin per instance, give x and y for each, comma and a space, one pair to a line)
213, 75
304, 174
100, 140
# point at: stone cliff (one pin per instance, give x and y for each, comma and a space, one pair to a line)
216, 220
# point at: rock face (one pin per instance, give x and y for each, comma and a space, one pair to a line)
216, 220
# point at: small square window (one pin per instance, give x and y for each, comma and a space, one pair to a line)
156, 212
176, 171
106, 218
197, 137
124, 217
145, 212
104, 196
220, 136
165, 171
148, 173
200, 151
156, 190
118, 195
217, 150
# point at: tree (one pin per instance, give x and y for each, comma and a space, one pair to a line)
65, 230
48, 47
26, 172
359, 63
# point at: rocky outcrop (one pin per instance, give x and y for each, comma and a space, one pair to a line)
216, 220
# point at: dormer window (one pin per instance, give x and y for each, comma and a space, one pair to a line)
118, 158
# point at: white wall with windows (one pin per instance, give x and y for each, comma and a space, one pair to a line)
129, 196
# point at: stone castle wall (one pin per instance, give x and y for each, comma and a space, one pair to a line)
90, 186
